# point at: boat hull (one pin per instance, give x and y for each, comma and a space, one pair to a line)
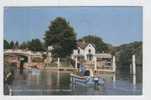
85, 80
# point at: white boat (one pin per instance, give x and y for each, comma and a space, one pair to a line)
35, 72
86, 80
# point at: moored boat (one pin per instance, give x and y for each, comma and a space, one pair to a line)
86, 80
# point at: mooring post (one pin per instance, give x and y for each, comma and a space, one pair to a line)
114, 64
114, 80
134, 71
58, 72
58, 62
76, 63
10, 92
91, 73
95, 63
131, 69
58, 78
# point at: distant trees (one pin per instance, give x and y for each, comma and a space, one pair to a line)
61, 36
124, 53
10, 45
100, 45
24, 45
35, 45
6, 44
16, 45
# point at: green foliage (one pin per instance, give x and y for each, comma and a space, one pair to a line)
124, 53
16, 44
99, 43
12, 44
24, 45
61, 36
35, 45
6, 44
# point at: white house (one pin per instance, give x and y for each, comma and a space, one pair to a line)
87, 52
84, 51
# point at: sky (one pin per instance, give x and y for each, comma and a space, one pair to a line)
115, 25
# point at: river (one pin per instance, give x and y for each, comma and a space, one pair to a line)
47, 82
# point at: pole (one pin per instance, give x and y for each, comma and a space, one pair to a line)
95, 63
114, 64
134, 64
131, 70
10, 92
114, 80
58, 62
91, 73
58, 73
134, 71
114, 70
58, 78
76, 61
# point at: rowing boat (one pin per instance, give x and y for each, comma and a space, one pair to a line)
86, 80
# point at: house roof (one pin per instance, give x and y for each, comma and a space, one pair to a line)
82, 45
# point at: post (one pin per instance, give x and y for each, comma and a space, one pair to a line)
114, 80
114, 64
134, 64
114, 70
29, 59
134, 71
95, 63
58, 78
10, 92
91, 73
58, 63
58, 73
76, 63
131, 70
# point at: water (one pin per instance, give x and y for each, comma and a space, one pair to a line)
46, 82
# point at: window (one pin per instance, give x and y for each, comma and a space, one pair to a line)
78, 51
89, 50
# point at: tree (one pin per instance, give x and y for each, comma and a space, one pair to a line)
124, 53
61, 36
12, 45
35, 45
24, 45
6, 44
99, 43
16, 44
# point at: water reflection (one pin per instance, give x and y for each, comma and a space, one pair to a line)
46, 82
